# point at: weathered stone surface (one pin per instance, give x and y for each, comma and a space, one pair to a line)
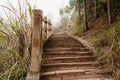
65, 58
35, 43
37, 20
34, 68
33, 79
33, 76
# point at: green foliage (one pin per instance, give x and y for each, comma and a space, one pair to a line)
3, 40
72, 3
44, 38
108, 41
75, 28
115, 7
67, 9
105, 37
13, 66
102, 8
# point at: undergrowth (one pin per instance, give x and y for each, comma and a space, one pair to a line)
76, 27
13, 66
109, 44
15, 40
106, 40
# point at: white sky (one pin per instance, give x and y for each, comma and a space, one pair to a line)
50, 7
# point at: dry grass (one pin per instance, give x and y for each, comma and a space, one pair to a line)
16, 33
108, 43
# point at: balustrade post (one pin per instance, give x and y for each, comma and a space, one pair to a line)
49, 33
45, 26
34, 68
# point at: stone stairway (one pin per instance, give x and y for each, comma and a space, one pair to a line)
65, 58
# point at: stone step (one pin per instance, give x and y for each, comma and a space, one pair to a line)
66, 49
70, 64
51, 45
65, 66
66, 54
95, 79
69, 59
70, 77
72, 52
64, 39
54, 66
71, 73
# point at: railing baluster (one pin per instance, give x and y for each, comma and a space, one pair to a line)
34, 68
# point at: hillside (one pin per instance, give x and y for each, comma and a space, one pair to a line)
103, 31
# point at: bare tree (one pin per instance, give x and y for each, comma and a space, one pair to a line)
109, 12
78, 9
85, 16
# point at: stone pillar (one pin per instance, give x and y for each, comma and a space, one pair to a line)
49, 33
34, 68
45, 26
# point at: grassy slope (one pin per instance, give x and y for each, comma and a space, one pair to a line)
106, 40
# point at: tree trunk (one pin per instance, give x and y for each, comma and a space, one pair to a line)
109, 12
95, 2
79, 10
77, 7
85, 16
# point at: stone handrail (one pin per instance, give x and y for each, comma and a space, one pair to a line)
36, 53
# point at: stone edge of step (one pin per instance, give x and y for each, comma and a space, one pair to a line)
84, 42
55, 58
74, 63
95, 79
85, 52
85, 71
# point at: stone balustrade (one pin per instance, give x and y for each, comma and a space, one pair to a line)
36, 54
